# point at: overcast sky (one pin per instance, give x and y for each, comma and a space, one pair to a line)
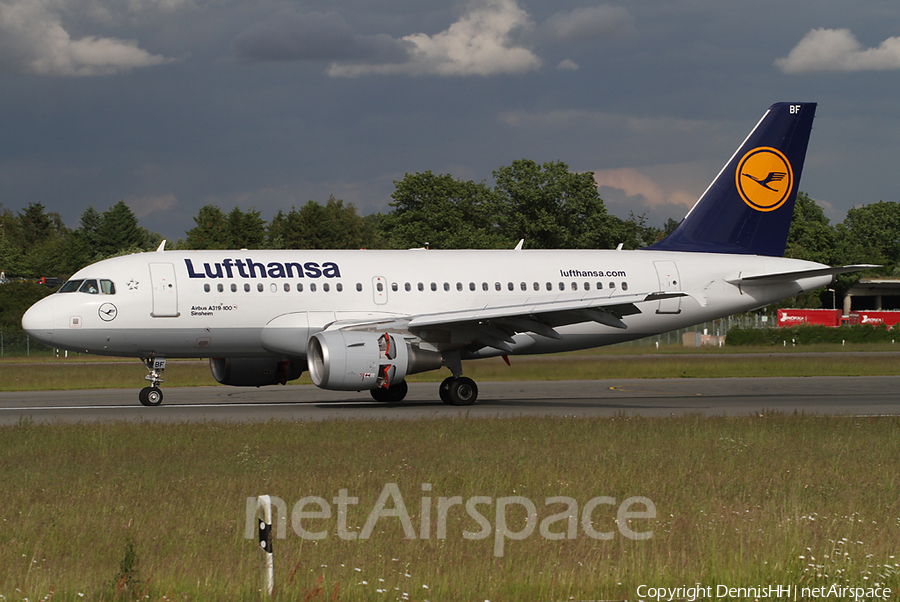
174, 104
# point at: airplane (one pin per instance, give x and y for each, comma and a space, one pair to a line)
366, 319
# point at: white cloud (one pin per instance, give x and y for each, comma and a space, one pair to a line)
838, 50
589, 23
33, 40
142, 207
568, 65
479, 43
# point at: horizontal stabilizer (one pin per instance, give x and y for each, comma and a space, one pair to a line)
763, 279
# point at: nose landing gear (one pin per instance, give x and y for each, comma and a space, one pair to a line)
152, 395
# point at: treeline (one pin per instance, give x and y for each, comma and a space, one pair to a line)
545, 204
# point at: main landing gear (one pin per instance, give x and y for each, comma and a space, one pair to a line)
394, 393
458, 391
152, 395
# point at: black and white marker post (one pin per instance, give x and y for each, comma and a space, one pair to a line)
264, 520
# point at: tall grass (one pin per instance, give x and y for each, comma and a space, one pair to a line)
748, 501
68, 375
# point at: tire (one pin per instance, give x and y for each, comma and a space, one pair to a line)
151, 396
392, 394
462, 391
444, 390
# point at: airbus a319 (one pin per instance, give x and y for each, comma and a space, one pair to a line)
365, 320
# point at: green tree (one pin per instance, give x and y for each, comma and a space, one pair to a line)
119, 232
811, 236
210, 231
552, 207
245, 229
871, 234
442, 212
89, 227
314, 226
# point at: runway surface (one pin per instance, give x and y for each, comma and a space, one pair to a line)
860, 396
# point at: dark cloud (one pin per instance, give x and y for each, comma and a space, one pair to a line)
313, 36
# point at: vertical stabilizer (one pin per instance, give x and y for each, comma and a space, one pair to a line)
748, 207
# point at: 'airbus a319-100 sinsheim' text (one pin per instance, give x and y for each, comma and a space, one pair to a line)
365, 320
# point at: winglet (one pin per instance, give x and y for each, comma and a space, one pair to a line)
749, 206
161, 247
519, 246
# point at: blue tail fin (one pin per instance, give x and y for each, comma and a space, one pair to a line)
748, 207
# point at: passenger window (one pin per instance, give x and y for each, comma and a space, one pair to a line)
574, 286
273, 287
220, 287
340, 287
359, 287
90, 287
326, 287
612, 285
407, 286
497, 286
549, 286
246, 288
599, 286
394, 287
433, 286
537, 286
300, 287
471, 286
562, 286
287, 287
484, 286
206, 288
233, 288
312, 287
446, 286
587, 286
107, 287
260, 287
459, 286
380, 287
624, 286
510, 286
421, 287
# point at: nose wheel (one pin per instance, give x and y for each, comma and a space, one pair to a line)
153, 395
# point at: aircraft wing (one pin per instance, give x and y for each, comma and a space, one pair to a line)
763, 279
493, 325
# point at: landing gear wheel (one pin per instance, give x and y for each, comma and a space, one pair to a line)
444, 389
151, 396
462, 391
394, 393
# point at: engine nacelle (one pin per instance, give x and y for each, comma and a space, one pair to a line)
253, 371
346, 360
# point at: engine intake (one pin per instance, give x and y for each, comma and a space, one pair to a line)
345, 360
254, 372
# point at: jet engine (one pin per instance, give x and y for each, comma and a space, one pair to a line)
253, 371
345, 360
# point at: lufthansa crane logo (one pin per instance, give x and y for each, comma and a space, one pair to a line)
108, 312
764, 178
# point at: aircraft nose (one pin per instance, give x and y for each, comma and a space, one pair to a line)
38, 322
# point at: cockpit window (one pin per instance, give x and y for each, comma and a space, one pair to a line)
92, 287
89, 286
70, 286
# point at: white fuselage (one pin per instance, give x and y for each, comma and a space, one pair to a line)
219, 303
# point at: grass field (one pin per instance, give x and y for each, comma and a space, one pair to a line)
150, 511
91, 372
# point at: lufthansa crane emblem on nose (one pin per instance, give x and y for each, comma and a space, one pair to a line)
108, 312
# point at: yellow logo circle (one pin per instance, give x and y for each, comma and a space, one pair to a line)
764, 178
